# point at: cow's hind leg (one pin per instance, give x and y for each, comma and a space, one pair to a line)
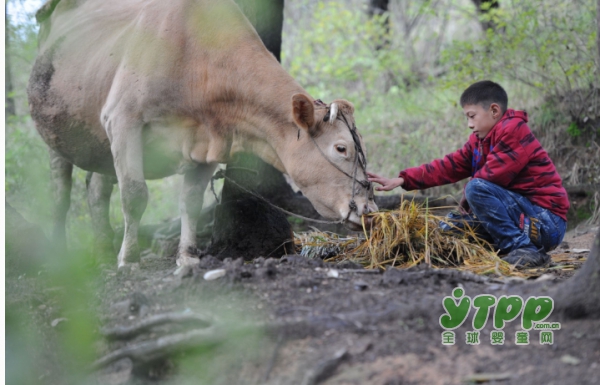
99, 190
61, 176
125, 137
190, 205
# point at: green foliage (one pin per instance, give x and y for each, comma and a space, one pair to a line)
583, 213
547, 45
21, 50
574, 130
23, 147
339, 48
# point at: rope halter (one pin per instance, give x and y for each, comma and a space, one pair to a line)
360, 160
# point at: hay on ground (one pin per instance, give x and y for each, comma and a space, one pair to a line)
405, 237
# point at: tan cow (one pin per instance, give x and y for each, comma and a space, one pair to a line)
144, 89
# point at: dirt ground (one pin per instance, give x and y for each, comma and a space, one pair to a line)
294, 321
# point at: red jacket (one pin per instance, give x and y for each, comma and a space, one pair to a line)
509, 156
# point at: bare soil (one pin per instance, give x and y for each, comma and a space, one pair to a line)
287, 321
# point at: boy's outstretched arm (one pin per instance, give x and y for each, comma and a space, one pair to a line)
387, 184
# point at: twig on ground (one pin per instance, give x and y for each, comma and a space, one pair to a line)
148, 351
131, 331
324, 369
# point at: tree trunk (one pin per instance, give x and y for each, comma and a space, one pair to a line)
597, 38
244, 225
267, 18
379, 8
580, 296
483, 8
9, 100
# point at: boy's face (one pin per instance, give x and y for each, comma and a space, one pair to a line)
482, 120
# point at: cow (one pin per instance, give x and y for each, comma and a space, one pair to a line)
145, 89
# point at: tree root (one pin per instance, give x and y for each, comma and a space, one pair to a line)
131, 331
324, 369
579, 296
163, 347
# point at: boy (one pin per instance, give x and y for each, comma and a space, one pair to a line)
515, 194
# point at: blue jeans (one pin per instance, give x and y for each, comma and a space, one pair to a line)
508, 220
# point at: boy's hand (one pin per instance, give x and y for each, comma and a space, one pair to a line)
387, 184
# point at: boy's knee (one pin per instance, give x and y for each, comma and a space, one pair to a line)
475, 187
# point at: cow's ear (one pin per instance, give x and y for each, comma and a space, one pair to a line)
304, 112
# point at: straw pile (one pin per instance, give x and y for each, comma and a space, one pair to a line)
405, 237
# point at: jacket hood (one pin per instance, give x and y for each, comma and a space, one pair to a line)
508, 115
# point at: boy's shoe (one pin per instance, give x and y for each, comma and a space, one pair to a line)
527, 257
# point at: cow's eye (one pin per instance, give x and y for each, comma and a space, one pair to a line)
341, 149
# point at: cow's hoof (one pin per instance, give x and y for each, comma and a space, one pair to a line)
128, 268
183, 271
186, 260
128, 256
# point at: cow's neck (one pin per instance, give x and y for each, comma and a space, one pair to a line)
269, 124
248, 107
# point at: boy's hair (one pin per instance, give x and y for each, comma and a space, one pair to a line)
485, 93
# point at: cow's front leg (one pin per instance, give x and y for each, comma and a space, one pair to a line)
126, 147
190, 206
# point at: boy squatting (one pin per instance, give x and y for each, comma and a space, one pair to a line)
515, 198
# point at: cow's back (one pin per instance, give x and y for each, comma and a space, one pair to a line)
88, 49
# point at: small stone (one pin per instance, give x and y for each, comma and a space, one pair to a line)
568, 359
333, 273
55, 322
545, 277
214, 274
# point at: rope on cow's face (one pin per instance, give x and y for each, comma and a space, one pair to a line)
359, 160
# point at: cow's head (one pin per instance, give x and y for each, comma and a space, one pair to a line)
328, 160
